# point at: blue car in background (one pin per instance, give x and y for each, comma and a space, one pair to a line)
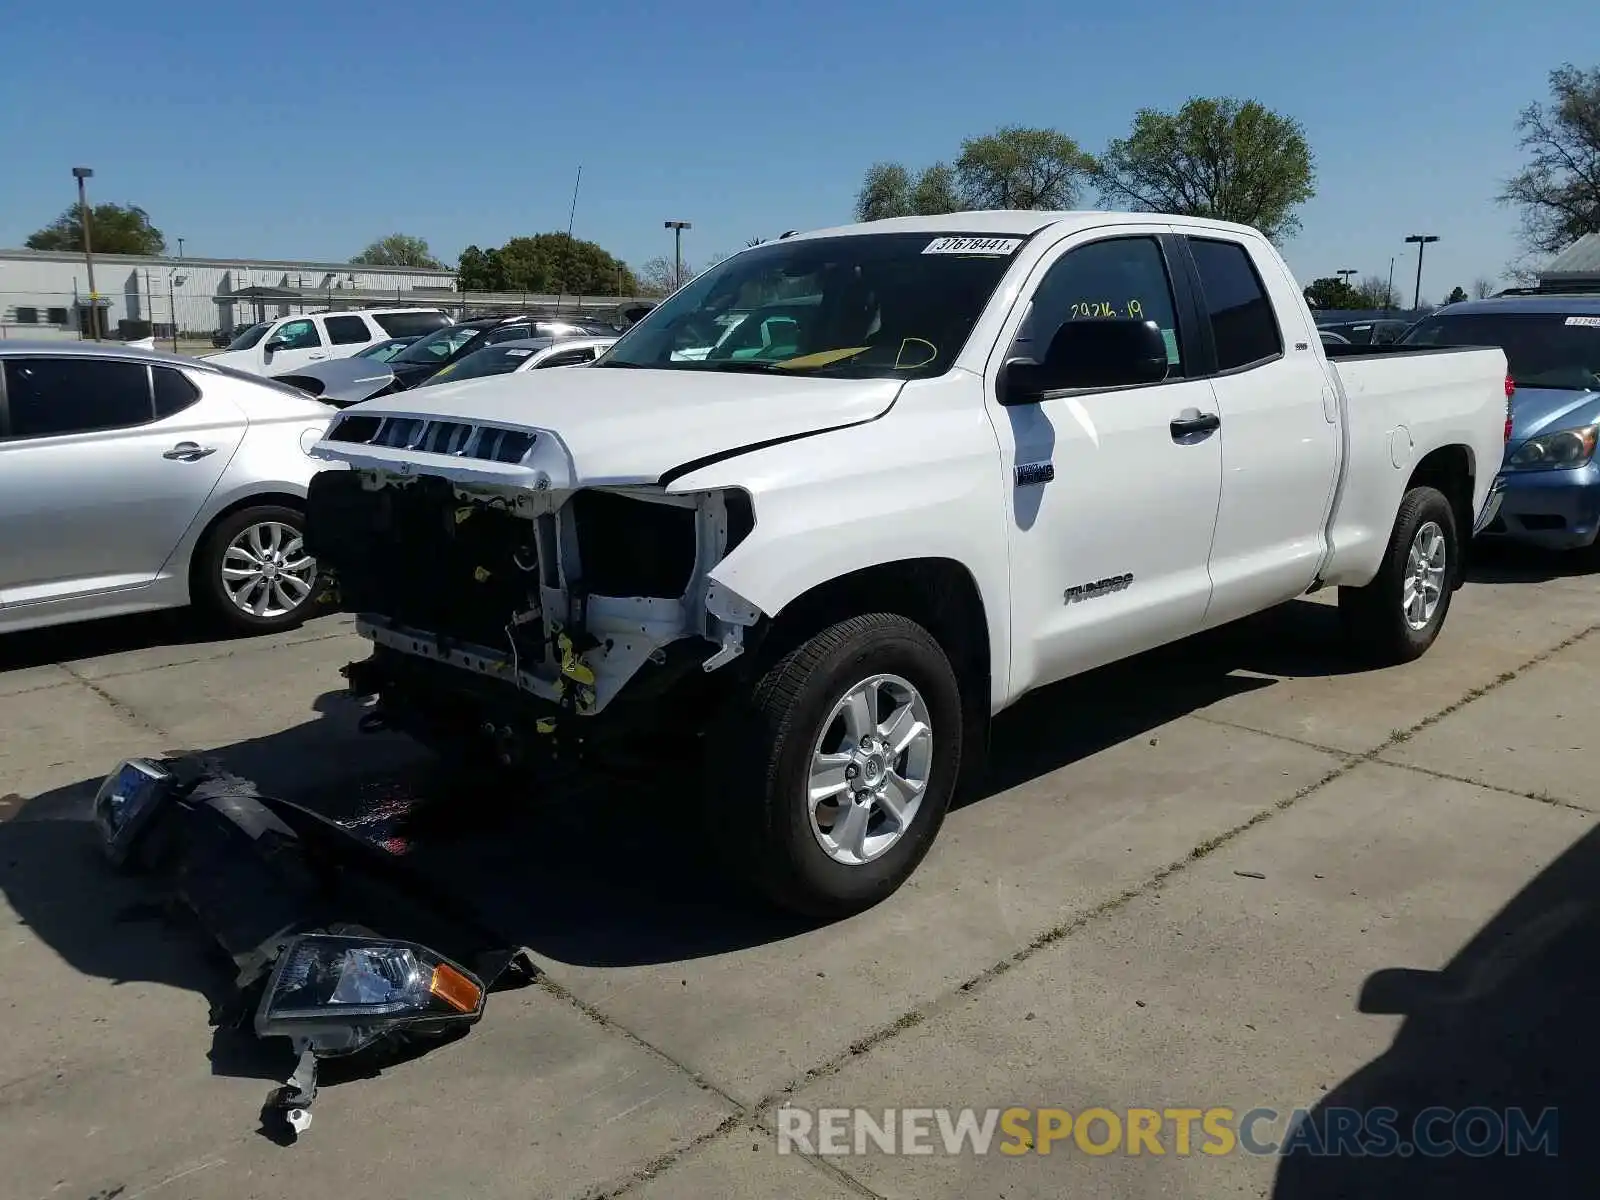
1552, 346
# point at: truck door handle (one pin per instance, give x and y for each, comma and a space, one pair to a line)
188, 451
1192, 421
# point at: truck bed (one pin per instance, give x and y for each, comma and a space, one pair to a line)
1395, 397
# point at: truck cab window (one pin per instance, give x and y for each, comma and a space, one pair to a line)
1117, 277
1242, 322
298, 335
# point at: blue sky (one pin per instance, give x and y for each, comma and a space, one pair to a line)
306, 131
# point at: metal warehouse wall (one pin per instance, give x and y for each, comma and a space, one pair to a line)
137, 288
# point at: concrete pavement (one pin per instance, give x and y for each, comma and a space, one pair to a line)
1173, 889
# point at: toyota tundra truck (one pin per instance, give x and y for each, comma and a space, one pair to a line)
847, 495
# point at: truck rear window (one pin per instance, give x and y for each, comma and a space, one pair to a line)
1543, 350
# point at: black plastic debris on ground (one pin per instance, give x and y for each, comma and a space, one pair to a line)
257, 872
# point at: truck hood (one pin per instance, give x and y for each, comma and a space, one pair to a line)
597, 426
1542, 410
239, 360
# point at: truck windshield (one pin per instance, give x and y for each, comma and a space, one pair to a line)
250, 336
1543, 350
883, 305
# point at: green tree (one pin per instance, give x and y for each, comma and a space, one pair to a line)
1457, 295
1332, 292
1558, 192
1015, 167
113, 229
545, 263
1012, 167
1223, 158
479, 271
397, 250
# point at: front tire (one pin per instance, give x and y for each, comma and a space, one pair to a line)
1396, 617
252, 573
830, 780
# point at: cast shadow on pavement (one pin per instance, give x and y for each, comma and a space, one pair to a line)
1508, 1023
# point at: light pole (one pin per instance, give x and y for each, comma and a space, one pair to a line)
677, 228
180, 247
1344, 273
80, 174
1422, 240
1388, 296
174, 280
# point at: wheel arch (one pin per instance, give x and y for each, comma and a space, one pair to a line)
1452, 470
940, 594
237, 504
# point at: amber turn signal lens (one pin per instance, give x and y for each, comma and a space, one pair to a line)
455, 989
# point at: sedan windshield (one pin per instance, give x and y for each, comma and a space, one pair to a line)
384, 351
889, 305
437, 347
491, 360
250, 336
1543, 350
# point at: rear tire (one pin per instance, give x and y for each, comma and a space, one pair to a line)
1396, 617
799, 733
284, 593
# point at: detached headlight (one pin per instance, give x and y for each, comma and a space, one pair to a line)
1563, 449
126, 801
340, 994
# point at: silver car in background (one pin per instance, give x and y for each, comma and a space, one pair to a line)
133, 480
521, 354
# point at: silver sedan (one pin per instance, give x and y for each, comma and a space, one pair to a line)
131, 480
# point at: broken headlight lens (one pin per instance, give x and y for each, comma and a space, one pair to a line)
342, 993
126, 801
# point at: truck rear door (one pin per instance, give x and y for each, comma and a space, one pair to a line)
1280, 432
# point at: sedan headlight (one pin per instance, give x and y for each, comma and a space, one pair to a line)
339, 994
126, 801
1562, 449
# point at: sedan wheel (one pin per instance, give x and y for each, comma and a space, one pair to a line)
253, 573
266, 570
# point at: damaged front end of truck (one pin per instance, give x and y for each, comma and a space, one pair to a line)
514, 613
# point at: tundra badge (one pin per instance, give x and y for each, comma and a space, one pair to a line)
1100, 587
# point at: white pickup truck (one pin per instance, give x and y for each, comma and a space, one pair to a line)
972, 455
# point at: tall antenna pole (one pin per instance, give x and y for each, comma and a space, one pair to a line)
572, 215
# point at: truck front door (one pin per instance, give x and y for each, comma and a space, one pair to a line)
1113, 507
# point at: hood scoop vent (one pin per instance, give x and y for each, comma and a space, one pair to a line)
458, 439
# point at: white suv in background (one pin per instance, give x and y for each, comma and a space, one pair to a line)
273, 347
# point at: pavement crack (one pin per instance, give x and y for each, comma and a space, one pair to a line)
1543, 797
120, 707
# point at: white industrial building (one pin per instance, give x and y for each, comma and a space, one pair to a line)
45, 293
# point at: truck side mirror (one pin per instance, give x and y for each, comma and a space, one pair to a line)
1102, 353
276, 344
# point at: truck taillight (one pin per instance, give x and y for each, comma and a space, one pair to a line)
1511, 386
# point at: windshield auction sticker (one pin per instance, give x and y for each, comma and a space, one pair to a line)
1592, 321
998, 247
